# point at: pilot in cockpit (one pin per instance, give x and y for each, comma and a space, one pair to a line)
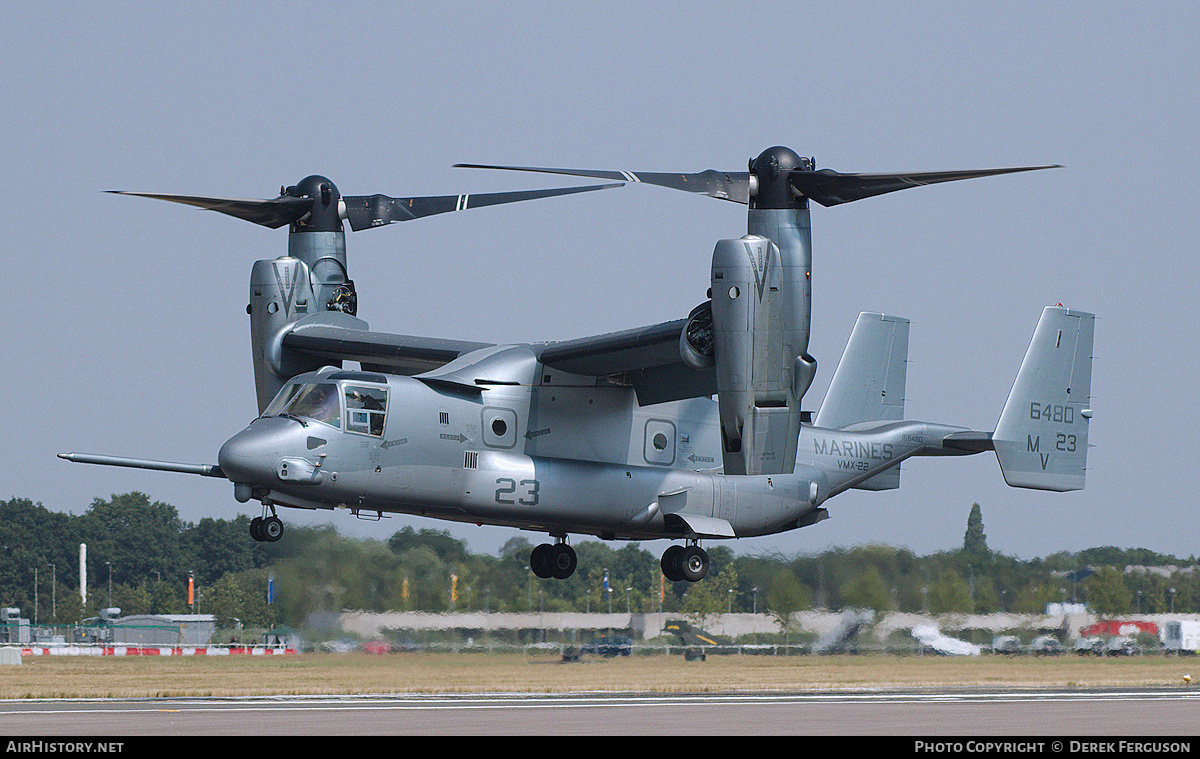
319, 402
325, 404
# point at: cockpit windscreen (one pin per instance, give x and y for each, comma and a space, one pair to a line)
364, 413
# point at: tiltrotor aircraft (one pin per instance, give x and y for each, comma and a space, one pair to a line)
616, 435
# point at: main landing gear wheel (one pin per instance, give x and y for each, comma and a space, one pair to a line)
684, 563
266, 529
557, 561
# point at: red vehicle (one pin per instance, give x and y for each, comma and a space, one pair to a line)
377, 647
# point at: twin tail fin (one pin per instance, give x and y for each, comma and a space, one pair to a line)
1041, 439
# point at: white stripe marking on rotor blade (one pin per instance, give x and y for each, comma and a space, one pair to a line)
630, 176
462, 202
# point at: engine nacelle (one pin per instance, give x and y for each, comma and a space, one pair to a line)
696, 346
759, 324
280, 294
306, 284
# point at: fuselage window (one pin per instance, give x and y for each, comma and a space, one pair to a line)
366, 408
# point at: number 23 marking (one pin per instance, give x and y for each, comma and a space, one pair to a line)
508, 487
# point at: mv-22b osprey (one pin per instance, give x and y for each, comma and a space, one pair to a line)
615, 435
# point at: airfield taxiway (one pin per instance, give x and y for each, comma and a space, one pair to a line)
1061, 714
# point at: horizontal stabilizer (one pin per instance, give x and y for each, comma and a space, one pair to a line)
1041, 438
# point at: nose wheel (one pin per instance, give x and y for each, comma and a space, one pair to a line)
266, 529
688, 562
556, 560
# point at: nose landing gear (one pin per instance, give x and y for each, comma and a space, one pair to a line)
266, 529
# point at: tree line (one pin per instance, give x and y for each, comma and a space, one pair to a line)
140, 556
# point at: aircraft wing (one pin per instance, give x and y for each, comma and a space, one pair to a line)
380, 351
646, 357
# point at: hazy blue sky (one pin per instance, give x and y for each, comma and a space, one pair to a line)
124, 327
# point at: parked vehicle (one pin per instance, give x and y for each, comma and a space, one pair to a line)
1182, 636
1046, 645
609, 645
377, 647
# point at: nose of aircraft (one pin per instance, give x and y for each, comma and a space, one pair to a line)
251, 455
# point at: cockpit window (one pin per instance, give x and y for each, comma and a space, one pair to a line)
318, 401
283, 398
366, 408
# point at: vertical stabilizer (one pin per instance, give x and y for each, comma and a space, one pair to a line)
868, 384
1041, 438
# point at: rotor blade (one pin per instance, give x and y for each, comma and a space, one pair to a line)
269, 213
734, 186
366, 211
829, 188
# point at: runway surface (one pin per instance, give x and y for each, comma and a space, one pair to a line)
1116, 712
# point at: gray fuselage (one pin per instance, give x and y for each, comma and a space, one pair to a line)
494, 438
